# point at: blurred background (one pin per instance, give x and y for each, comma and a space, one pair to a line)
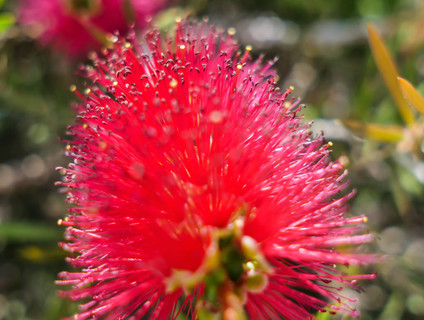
323, 52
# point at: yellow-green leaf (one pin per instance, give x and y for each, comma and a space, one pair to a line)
411, 95
389, 72
7, 20
378, 132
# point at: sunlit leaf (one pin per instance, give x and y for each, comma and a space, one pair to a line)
378, 132
389, 73
323, 316
6, 21
411, 95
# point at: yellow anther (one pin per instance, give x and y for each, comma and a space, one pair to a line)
239, 67
59, 222
87, 91
330, 144
231, 31
102, 145
115, 83
249, 48
182, 47
173, 83
112, 38
216, 116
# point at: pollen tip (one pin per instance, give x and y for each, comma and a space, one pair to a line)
102, 145
112, 38
173, 83
231, 31
216, 116
72, 88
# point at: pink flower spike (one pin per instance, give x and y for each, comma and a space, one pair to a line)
195, 189
77, 26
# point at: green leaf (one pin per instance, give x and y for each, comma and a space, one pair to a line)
29, 232
323, 316
7, 20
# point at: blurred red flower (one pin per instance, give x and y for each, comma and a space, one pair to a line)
196, 188
77, 26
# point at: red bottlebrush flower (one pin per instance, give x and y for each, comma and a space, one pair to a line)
196, 188
77, 26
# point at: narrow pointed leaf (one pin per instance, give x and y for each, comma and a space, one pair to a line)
378, 132
29, 232
389, 72
411, 95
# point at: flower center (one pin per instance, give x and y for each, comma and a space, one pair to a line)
233, 266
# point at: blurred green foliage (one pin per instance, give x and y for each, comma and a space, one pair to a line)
323, 52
